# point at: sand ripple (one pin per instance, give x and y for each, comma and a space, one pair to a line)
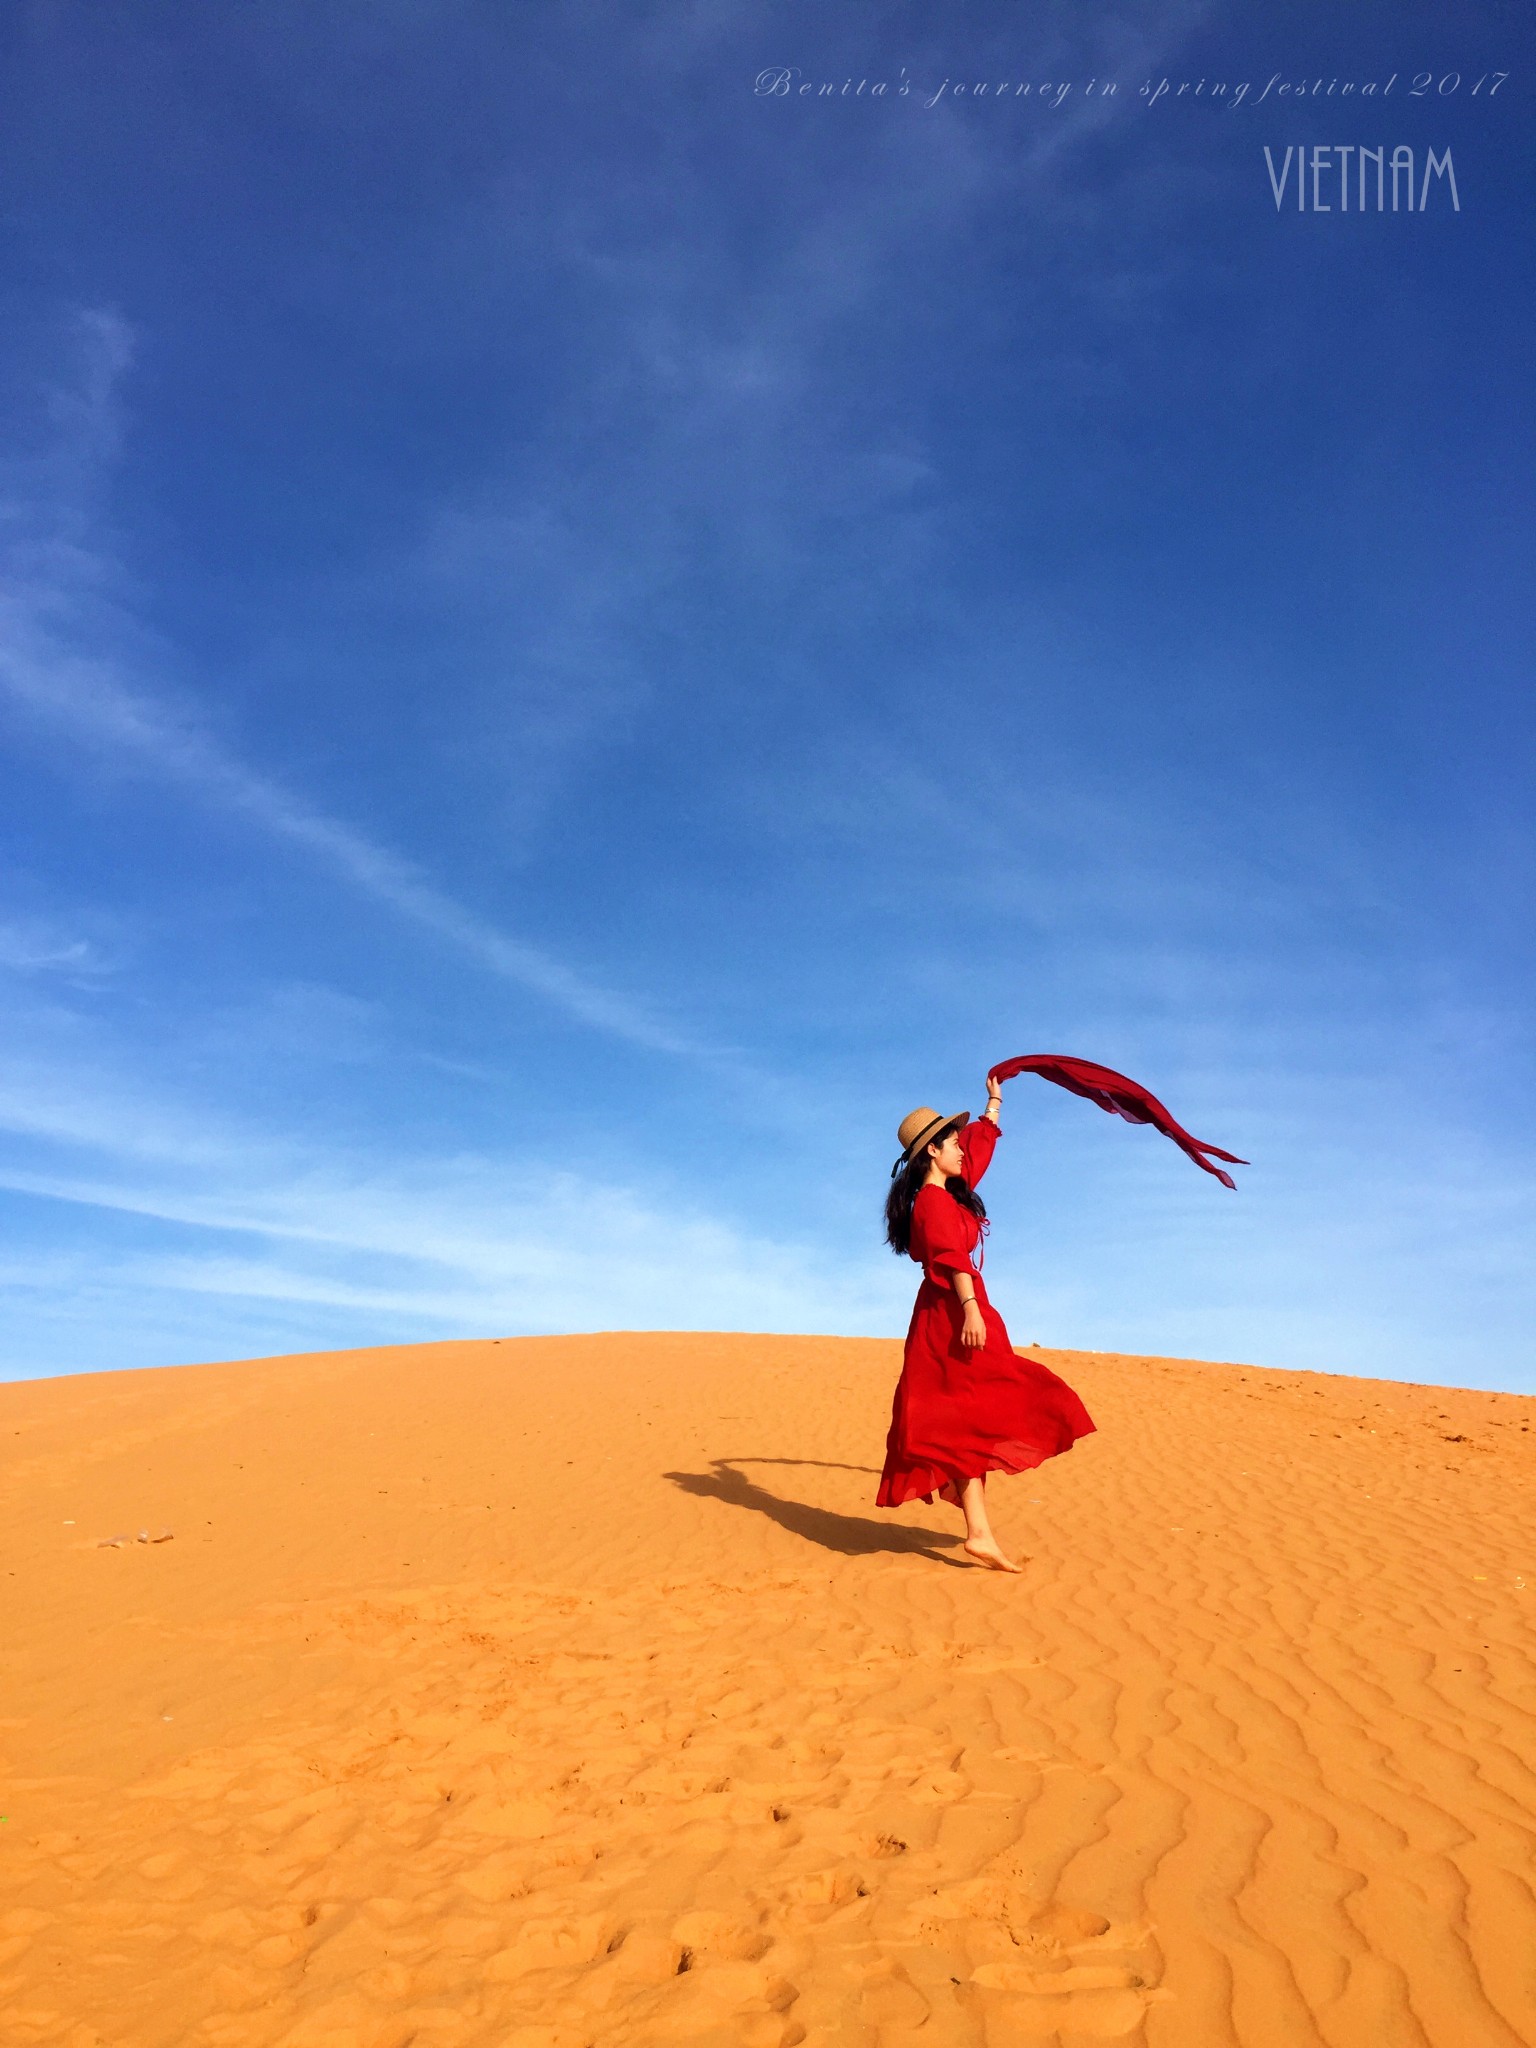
1245, 1757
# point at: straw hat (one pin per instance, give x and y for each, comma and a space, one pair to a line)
914, 1131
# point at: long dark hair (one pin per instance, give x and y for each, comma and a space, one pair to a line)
906, 1181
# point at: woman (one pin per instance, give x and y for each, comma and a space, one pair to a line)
966, 1403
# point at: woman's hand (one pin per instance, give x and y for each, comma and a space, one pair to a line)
973, 1330
994, 1099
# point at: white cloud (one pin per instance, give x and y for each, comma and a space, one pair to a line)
82, 696
473, 1243
71, 655
32, 948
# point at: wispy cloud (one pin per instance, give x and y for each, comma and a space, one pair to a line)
68, 656
258, 1218
32, 948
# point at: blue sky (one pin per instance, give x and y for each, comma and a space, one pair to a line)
579, 637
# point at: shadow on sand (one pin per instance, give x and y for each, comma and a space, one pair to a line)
848, 1535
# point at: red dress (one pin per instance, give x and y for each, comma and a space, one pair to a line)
959, 1413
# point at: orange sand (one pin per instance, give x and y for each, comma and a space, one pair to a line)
566, 1691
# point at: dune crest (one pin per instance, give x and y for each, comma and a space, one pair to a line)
558, 1692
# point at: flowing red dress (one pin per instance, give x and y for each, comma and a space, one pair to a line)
959, 1413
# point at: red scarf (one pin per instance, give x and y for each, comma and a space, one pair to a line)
1121, 1096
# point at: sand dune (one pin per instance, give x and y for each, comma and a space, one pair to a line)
567, 1691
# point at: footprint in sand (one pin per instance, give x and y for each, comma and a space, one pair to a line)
546, 2037
728, 2001
550, 1943
1032, 1967
646, 1956
889, 2000
938, 1788
723, 1935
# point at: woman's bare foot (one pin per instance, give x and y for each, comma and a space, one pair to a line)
986, 1550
